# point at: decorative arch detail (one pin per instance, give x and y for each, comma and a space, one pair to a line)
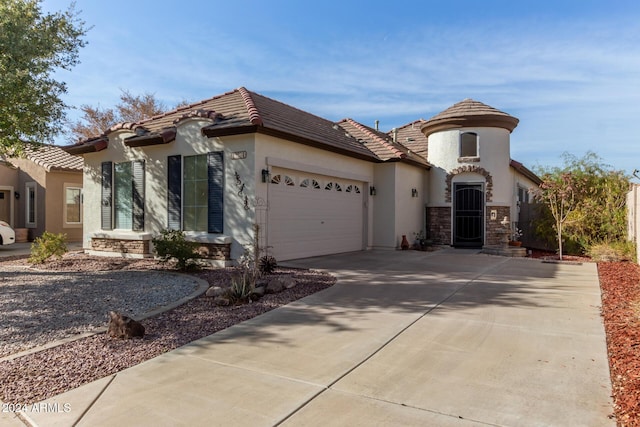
468, 168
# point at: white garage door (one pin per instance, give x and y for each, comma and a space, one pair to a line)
312, 215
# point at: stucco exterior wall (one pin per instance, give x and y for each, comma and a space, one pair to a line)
9, 183
410, 210
29, 172
189, 141
55, 204
397, 211
494, 157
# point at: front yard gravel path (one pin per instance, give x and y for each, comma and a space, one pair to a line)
39, 306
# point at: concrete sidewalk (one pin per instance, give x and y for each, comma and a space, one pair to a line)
450, 338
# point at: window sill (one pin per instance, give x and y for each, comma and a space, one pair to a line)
204, 237
122, 235
469, 159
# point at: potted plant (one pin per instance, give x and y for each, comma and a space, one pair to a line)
421, 243
516, 234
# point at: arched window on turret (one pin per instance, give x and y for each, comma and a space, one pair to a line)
469, 144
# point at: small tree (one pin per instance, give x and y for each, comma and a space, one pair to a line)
560, 192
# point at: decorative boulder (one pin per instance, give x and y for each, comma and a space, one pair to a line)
280, 283
257, 293
221, 301
124, 327
215, 291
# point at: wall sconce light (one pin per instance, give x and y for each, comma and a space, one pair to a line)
414, 192
16, 195
372, 191
265, 175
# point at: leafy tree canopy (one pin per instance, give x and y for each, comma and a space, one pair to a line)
33, 45
589, 197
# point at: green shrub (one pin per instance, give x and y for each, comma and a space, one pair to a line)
172, 245
46, 246
615, 251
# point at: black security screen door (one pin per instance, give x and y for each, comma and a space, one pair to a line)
468, 216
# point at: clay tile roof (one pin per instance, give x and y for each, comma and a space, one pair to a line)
381, 144
377, 142
469, 113
242, 111
53, 158
412, 137
251, 112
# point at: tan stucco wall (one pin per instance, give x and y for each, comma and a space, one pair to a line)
9, 182
29, 172
397, 212
189, 141
494, 154
49, 199
55, 204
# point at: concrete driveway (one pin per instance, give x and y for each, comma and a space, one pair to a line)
449, 338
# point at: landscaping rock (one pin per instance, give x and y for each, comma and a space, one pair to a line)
124, 327
215, 291
222, 301
280, 283
258, 292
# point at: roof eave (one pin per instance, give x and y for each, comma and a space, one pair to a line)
215, 131
164, 137
317, 144
526, 172
506, 122
87, 147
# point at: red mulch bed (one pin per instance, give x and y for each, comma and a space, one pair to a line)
620, 286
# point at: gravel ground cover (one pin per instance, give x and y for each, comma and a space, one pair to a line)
41, 375
620, 285
42, 306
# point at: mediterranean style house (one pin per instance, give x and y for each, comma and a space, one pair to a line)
215, 168
42, 191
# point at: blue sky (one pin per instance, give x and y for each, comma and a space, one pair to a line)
569, 70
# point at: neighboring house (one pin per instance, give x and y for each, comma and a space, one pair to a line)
42, 191
215, 168
8, 186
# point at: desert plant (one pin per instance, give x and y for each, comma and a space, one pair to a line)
242, 286
173, 245
615, 251
267, 264
46, 246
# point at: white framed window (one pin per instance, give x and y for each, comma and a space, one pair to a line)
469, 144
72, 204
31, 204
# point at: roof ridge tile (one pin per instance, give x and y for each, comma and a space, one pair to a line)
254, 114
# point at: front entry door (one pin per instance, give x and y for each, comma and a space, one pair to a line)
468, 216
